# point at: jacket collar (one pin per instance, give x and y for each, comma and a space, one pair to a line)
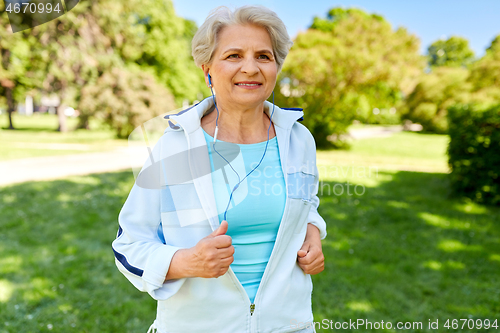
190, 119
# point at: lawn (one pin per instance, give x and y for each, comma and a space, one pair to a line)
37, 136
57, 271
401, 151
403, 251
398, 247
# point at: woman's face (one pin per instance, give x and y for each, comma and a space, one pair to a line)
243, 69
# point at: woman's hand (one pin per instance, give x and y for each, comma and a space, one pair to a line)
209, 258
310, 256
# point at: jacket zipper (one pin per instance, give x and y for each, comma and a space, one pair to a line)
280, 230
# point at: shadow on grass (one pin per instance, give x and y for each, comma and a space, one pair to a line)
57, 270
403, 251
31, 129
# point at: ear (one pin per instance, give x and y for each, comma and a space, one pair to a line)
206, 70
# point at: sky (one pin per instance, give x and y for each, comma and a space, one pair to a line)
478, 21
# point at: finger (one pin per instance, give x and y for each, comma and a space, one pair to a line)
314, 255
226, 262
221, 230
307, 260
317, 266
316, 270
225, 252
301, 253
311, 269
313, 251
304, 249
222, 241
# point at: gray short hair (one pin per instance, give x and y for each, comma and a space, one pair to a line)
205, 40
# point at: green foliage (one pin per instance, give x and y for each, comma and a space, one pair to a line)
454, 51
95, 39
485, 72
15, 79
495, 45
438, 90
125, 99
344, 67
337, 14
164, 48
474, 152
449, 84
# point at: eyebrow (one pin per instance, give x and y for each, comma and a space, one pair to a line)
235, 49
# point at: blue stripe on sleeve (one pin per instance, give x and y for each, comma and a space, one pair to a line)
134, 270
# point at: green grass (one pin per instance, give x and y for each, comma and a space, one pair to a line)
57, 270
399, 250
401, 151
37, 136
402, 250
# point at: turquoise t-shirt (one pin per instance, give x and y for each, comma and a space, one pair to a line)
256, 207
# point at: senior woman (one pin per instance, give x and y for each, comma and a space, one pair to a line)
228, 239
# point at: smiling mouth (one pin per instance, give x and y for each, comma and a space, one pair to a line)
249, 84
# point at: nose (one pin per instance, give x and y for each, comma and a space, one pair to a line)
250, 66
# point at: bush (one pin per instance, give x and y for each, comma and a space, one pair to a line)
474, 152
426, 115
438, 90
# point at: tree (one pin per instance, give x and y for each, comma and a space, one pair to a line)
126, 98
73, 51
454, 51
148, 34
434, 94
15, 80
58, 57
495, 45
450, 82
485, 76
166, 49
97, 37
486, 71
343, 67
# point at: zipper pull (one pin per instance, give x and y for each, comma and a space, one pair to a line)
252, 308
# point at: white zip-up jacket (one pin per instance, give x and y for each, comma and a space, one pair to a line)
172, 206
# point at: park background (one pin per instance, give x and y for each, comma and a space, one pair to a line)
402, 122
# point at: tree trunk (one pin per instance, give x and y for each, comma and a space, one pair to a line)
60, 109
62, 118
83, 122
11, 125
8, 86
11, 106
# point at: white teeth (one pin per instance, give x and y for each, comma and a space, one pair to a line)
247, 84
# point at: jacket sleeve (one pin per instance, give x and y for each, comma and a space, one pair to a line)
140, 252
310, 149
314, 218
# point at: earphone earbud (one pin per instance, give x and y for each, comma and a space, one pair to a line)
209, 81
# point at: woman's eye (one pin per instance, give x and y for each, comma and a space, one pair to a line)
233, 56
263, 56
